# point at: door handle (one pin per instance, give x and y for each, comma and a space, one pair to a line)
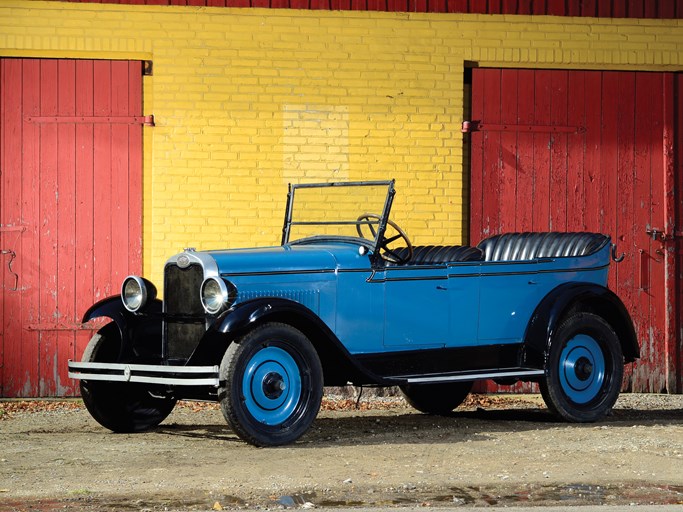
644, 270
12, 255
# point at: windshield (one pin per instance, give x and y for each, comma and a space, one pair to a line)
354, 210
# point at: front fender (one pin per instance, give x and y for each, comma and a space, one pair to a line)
245, 315
236, 321
576, 297
339, 366
135, 329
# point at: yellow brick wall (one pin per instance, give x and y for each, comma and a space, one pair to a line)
247, 100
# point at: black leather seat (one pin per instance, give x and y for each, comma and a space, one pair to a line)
439, 254
529, 246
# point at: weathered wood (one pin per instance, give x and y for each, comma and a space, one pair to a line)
70, 191
67, 280
614, 175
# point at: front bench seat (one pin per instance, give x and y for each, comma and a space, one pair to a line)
530, 246
439, 254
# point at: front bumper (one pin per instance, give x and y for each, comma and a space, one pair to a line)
146, 373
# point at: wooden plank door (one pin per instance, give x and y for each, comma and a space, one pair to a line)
70, 209
583, 150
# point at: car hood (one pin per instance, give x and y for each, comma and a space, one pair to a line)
289, 258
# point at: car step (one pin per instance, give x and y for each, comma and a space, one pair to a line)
504, 373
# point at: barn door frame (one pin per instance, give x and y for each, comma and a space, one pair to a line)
672, 237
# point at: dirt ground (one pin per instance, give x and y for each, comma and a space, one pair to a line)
500, 450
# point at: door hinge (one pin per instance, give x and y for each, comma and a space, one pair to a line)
59, 327
478, 126
143, 120
6, 228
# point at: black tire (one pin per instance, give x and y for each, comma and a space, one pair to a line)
584, 369
271, 385
120, 406
437, 399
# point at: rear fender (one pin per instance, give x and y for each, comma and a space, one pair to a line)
573, 298
136, 330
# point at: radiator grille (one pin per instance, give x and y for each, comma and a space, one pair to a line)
181, 297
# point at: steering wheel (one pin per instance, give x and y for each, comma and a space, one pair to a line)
385, 252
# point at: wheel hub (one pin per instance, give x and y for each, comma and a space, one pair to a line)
274, 385
583, 369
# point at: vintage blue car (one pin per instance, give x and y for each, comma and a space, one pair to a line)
346, 298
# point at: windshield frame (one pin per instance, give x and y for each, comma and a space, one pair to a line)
370, 244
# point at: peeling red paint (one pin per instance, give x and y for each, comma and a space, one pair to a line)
615, 175
70, 208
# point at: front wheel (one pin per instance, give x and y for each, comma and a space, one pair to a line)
436, 399
271, 385
120, 406
584, 369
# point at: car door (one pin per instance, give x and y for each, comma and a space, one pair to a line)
510, 292
463, 290
416, 306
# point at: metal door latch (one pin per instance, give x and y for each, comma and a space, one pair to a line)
660, 234
9, 266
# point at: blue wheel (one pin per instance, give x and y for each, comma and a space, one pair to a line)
584, 369
271, 385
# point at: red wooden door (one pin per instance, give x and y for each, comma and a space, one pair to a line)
584, 150
70, 209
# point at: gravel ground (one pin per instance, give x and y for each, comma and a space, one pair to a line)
496, 450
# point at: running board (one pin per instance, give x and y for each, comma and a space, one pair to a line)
471, 376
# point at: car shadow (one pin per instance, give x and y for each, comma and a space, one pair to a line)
369, 428
465, 425
215, 432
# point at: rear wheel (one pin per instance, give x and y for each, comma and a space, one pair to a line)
272, 385
436, 398
120, 406
584, 369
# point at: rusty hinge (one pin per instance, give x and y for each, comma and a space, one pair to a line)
90, 325
62, 327
478, 126
53, 327
143, 120
4, 229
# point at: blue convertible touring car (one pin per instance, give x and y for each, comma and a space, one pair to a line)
346, 298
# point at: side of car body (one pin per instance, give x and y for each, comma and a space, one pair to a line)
262, 330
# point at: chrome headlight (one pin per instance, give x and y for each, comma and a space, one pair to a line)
216, 295
136, 292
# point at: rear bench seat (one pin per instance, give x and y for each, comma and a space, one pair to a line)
508, 247
530, 246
